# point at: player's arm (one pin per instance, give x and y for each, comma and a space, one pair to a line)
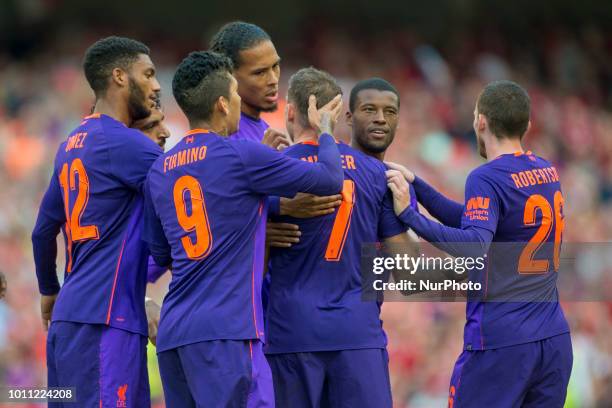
51, 217
154, 271
271, 173
473, 239
154, 233
131, 157
437, 204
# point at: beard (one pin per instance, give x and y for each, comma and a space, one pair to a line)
137, 102
271, 108
482, 150
373, 146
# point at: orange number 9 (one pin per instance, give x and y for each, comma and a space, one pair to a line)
196, 221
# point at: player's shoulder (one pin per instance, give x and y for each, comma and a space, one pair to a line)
301, 149
486, 172
364, 163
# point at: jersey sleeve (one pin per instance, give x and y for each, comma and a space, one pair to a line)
51, 217
154, 232
131, 157
388, 223
449, 212
482, 207
272, 173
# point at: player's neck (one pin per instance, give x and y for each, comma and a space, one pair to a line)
504, 146
214, 126
250, 111
117, 111
377, 155
306, 135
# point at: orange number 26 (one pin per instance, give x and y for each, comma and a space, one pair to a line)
527, 263
196, 221
74, 230
342, 223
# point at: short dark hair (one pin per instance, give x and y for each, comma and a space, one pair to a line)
371, 83
200, 79
506, 105
107, 54
235, 37
311, 81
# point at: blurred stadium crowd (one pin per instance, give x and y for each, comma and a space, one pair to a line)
43, 95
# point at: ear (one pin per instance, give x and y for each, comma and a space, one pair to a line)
290, 112
349, 118
119, 77
528, 127
482, 122
223, 105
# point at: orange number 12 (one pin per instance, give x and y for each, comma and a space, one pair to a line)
342, 223
74, 230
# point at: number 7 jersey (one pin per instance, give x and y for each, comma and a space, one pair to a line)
95, 196
518, 198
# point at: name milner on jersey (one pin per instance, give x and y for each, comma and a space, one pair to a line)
348, 161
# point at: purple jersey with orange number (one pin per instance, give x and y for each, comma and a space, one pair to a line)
315, 301
205, 213
518, 198
95, 196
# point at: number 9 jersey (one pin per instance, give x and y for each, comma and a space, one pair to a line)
95, 196
518, 198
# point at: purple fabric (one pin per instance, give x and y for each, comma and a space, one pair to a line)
107, 366
347, 378
250, 129
532, 374
218, 373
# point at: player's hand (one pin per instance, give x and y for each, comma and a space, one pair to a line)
2, 285
276, 139
282, 235
305, 205
46, 309
401, 193
324, 120
153, 311
408, 174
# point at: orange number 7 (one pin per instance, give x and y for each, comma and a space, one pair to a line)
527, 263
342, 223
74, 230
196, 221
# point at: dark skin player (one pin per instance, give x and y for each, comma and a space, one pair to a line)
373, 120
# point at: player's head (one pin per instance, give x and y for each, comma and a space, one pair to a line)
373, 114
153, 127
206, 91
256, 64
302, 84
502, 111
123, 66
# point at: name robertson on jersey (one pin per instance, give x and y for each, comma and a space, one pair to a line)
183, 157
532, 177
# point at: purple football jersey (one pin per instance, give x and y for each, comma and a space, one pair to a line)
95, 197
315, 300
250, 129
205, 214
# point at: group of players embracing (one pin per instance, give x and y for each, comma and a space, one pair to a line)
263, 231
